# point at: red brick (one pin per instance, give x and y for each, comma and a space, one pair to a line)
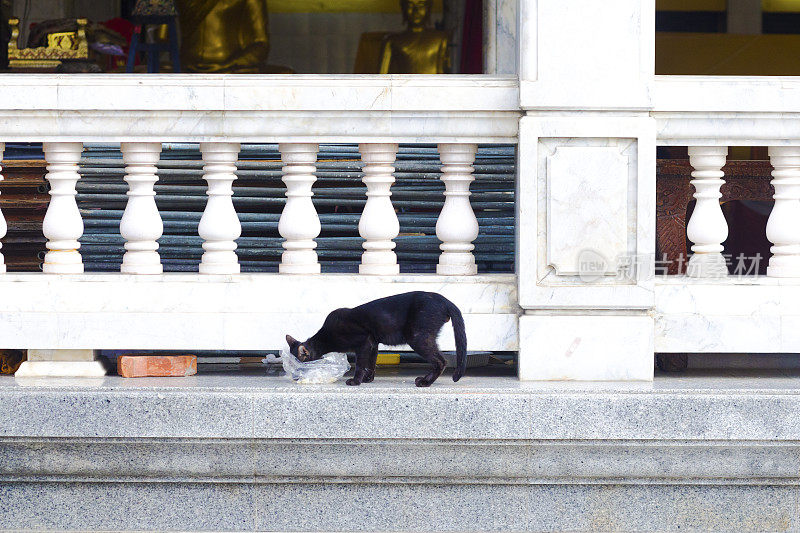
138, 366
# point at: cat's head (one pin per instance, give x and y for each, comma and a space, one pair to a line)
301, 350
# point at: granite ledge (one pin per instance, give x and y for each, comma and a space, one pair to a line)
421, 461
255, 406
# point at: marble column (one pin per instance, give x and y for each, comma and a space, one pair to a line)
457, 225
783, 225
141, 224
219, 226
299, 223
62, 225
586, 189
378, 224
3, 225
707, 227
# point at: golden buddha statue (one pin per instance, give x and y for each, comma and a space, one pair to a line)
225, 36
418, 49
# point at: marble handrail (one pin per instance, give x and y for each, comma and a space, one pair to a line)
273, 108
726, 110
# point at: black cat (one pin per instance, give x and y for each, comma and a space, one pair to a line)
412, 318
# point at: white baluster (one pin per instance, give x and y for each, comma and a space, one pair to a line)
3, 225
62, 224
299, 223
783, 225
378, 224
707, 228
141, 224
219, 225
457, 225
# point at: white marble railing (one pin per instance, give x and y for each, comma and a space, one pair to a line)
710, 310
141, 225
709, 114
707, 228
219, 112
141, 308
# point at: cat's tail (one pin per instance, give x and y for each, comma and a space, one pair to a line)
460, 333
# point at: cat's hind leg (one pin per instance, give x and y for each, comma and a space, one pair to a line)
364, 372
425, 345
373, 361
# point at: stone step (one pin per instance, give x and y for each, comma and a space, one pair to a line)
249, 451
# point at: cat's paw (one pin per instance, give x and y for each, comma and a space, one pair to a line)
422, 382
353, 381
369, 376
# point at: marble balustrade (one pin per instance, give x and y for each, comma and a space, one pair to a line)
299, 225
707, 228
64, 314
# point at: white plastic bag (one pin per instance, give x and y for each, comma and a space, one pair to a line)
331, 367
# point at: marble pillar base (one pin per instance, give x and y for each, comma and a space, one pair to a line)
707, 266
586, 347
61, 363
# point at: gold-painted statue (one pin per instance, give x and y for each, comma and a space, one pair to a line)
418, 49
225, 36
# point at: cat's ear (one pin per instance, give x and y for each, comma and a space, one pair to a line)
303, 352
291, 341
